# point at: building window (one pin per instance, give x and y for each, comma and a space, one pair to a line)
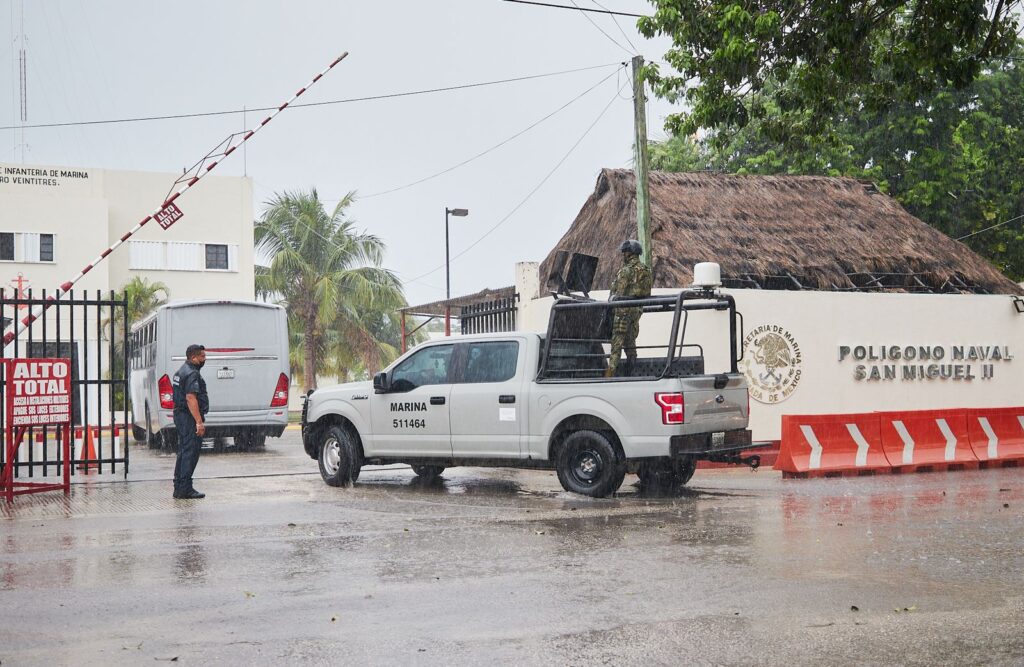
7, 246
216, 256
46, 247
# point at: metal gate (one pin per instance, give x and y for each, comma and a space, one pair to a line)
489, 316
92, 332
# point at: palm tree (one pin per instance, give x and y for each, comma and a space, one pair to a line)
143, 298
328, 276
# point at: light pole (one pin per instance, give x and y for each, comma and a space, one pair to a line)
458, 213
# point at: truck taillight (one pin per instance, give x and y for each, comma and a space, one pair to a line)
166, 393
672, 405
280, 392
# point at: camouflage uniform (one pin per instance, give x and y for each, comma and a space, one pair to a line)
632, 280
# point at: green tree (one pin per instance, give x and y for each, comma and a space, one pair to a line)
822, 54
143, 298
328, 275
952, 158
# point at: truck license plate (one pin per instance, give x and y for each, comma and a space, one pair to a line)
226, 374
717, 440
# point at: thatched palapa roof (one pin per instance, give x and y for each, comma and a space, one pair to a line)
781, 232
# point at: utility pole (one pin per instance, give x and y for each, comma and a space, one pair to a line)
643, 195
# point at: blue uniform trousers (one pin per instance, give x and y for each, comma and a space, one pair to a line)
188, 451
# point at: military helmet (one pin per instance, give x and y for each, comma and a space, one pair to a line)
631, 246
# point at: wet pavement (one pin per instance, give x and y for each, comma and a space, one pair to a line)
503, 566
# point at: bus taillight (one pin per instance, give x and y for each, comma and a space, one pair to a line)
280, 392
166, 393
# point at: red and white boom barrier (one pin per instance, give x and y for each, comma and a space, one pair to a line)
167, 212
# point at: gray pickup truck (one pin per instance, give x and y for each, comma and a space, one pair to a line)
528, 400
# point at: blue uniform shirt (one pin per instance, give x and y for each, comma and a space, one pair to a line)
189, 381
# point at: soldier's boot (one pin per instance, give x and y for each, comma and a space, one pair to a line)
609, 372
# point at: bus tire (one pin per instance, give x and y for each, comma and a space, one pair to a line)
152, 439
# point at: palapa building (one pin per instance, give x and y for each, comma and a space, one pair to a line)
777, 233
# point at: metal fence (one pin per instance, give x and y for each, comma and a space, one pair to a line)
489, 316
92, 332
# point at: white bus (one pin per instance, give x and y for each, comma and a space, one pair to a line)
246, 370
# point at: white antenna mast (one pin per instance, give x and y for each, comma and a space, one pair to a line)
22, 78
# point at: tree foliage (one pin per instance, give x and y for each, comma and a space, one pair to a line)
329, 277
795, 65
953, 158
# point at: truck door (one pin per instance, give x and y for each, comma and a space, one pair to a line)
412, 418
488, 401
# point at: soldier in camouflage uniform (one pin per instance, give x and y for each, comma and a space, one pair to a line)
633, 280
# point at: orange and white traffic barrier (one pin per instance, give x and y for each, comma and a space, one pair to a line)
819, 445
927, 440
997, 435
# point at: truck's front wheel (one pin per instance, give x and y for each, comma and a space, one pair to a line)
340, 457
587, 464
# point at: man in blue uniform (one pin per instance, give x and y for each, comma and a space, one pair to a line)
191, 404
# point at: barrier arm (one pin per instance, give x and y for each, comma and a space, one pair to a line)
167, 209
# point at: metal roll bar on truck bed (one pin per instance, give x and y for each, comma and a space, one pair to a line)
579, 328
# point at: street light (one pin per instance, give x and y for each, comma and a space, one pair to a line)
458, 213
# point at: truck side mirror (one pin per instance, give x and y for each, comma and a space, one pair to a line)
380, 383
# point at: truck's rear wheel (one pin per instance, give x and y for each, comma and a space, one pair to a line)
666, 476
429, 472
340, 457
587, 464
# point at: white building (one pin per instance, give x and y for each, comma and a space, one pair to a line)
56, 220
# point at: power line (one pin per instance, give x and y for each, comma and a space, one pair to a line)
1004, 222
578, 9
529, 194
619, 26
424, 91
492, 148
601, 30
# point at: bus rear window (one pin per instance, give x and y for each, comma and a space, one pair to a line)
236, 327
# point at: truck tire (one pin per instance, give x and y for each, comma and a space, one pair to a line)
340, 457
428, 472
666, 476
587, 464
138, 433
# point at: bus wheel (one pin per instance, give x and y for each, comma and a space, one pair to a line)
152, 439
169, 440
428, 471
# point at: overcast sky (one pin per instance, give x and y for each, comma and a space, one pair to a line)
102, 59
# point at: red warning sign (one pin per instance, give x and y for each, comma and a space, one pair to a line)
168, 215
38, 392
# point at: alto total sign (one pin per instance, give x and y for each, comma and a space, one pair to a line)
38, 392
840, 352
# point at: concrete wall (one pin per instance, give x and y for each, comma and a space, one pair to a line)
832, 352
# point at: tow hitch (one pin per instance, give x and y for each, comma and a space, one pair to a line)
754, 461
